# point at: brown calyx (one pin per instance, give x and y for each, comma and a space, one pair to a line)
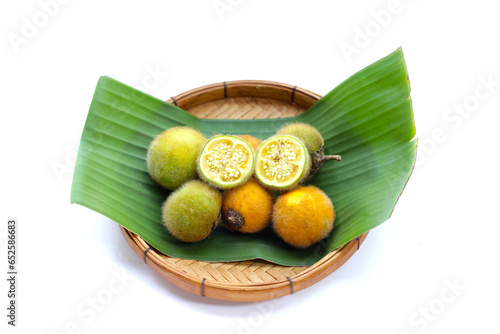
234, 219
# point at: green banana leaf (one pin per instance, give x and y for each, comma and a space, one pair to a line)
367, 119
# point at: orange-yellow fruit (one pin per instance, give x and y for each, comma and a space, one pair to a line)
254, 142
247, 208
303, 216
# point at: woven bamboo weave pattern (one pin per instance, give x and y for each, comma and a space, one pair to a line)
245, 272
245, 107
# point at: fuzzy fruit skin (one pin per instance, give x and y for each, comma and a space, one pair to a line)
171, 157
303, 216
303, 177
307, 133
253, 141
253, 202
191, 212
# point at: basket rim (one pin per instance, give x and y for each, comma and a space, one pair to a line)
226, 89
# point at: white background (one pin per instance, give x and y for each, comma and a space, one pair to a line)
432, 267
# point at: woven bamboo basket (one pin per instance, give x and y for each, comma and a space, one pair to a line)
254, 280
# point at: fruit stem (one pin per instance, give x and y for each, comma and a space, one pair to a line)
318, 158
331, 157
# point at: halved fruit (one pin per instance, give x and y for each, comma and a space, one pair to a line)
226, 161
313, 141
282, 162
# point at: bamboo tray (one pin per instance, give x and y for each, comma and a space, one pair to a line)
254, 280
